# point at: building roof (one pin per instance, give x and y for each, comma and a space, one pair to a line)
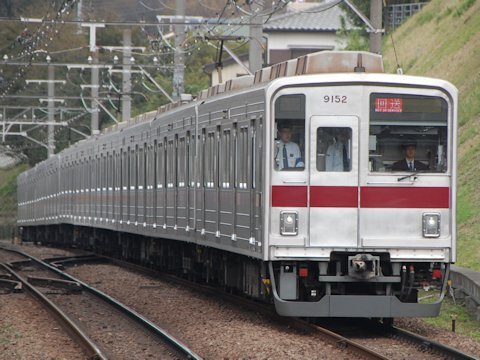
316, 17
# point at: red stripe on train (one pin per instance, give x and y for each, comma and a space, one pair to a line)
370, 197
412, 197
333, 196
289, 196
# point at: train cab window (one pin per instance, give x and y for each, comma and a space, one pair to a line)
289, 143
407, 133
334, 149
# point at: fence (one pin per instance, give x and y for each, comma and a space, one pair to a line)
395, 15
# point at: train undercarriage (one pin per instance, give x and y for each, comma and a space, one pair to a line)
347, 285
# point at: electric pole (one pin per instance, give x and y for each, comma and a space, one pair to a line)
95, 74
179, 56
51, 110
374, 24
79, 16
126, 75
95, 84
376, 8
256, 35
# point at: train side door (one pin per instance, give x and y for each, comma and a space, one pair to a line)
333, 186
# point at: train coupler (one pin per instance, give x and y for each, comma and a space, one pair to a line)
364, 266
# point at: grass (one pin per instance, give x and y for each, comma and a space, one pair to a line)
8, 193
465, 324
466, 4
449, 48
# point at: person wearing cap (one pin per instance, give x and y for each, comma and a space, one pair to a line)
287, 153
409, 163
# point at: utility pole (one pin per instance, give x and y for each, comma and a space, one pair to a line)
126, 75
95, 75
51, 110
79, 16
51, 105
179, 56
256, 36
374, 24
376, 8
95, 83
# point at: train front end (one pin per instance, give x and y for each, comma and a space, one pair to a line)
361, 214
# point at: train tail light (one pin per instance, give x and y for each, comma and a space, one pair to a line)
289, 223
436, 274
303, 272
431, 225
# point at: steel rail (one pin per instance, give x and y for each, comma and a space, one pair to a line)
179, 346
339, 341
343, 342
76, 333
430, 345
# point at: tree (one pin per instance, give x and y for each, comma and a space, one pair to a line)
8, 7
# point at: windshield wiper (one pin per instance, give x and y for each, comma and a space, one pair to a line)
415, 173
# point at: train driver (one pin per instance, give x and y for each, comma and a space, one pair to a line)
409, 163
287, 153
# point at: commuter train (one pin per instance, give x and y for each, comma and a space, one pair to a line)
199, 188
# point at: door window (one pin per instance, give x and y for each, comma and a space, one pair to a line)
334, 149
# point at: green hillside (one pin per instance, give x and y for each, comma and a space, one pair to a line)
443, 41
8, 199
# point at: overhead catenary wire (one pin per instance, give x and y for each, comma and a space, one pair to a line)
227, 17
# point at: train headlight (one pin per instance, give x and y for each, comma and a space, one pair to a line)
431, 225
289, 223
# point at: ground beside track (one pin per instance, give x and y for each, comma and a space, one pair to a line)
221, 331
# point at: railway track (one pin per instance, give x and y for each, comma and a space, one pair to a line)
101, 325
389, 337
340, 342
429, 345
373, 334
393, 334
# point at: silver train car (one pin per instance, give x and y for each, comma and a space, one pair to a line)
339, 226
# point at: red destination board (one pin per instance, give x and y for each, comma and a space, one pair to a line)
389, 105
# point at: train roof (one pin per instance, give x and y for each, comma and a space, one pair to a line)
323, 62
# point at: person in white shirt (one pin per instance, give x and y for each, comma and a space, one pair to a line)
337, 155
287, 153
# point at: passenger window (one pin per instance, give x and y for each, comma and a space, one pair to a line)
181, 162
289, 144
407, 133
171, 157
242, 158
160, 165
334, 149
210, 160
191, 161
226, 159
